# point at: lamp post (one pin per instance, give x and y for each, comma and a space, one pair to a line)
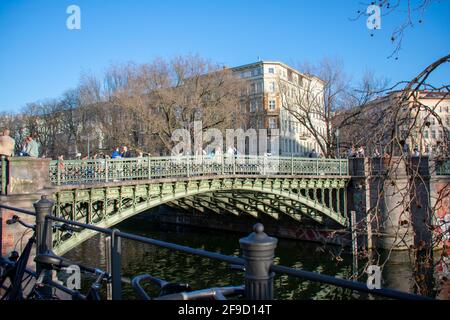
337, 142
88, 137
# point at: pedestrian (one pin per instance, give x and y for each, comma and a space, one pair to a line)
376, 153
352, 152
6, 144
116, 153
230, 150
313, 154
416, 152
30, 147
361, 152
61, 162
125, 152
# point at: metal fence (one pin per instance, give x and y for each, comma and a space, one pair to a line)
108, 170
443, 168
258, 253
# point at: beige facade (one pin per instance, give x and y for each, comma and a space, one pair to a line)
269, 85
425, 119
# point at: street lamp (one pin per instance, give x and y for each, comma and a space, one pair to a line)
337, 142
88, 137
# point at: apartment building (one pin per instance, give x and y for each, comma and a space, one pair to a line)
270, 86
423, 122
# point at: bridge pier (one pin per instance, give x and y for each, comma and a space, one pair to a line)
27, 179
398, 196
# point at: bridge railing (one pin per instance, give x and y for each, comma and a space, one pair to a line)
119, 169
257, 260
443, 167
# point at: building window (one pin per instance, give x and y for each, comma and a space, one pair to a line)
425, 134
271, 70
272, 105
272, 87
272, 123
259, 87
289, 75
253, 106
433, 134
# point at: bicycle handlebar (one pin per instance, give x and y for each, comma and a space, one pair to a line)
210, 293
182, 291
52, 261
61, 227
15, 219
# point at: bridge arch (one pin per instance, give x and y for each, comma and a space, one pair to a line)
109, 204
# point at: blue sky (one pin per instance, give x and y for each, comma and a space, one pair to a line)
40, 58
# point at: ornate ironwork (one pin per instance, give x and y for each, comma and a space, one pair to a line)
109, 170
317, 198
443, 168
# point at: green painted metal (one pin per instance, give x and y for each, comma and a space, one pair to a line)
443, 168
106, 170
3, 175
105, 192
110, 203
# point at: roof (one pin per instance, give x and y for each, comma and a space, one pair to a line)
259, 63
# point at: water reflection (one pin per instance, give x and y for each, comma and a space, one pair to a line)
201, 272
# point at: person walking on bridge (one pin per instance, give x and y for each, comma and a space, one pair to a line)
30, 147
6, 144
116, 153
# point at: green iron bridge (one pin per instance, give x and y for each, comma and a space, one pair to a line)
104, 192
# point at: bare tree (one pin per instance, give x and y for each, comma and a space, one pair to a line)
323, 90
410, 13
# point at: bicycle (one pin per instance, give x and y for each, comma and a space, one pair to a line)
50, 261
177, 291
13, 268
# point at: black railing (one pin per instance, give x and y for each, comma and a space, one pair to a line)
257, 259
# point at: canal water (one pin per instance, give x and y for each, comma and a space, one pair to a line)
200, 272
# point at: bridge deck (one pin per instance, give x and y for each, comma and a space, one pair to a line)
123, 169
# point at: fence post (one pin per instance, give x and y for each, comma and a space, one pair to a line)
292, 164
264, 165
116, 265
187, 166
354, 245
149, 169
106, 170
3, 175
44, 233
108, 266
58, 173
258, 251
